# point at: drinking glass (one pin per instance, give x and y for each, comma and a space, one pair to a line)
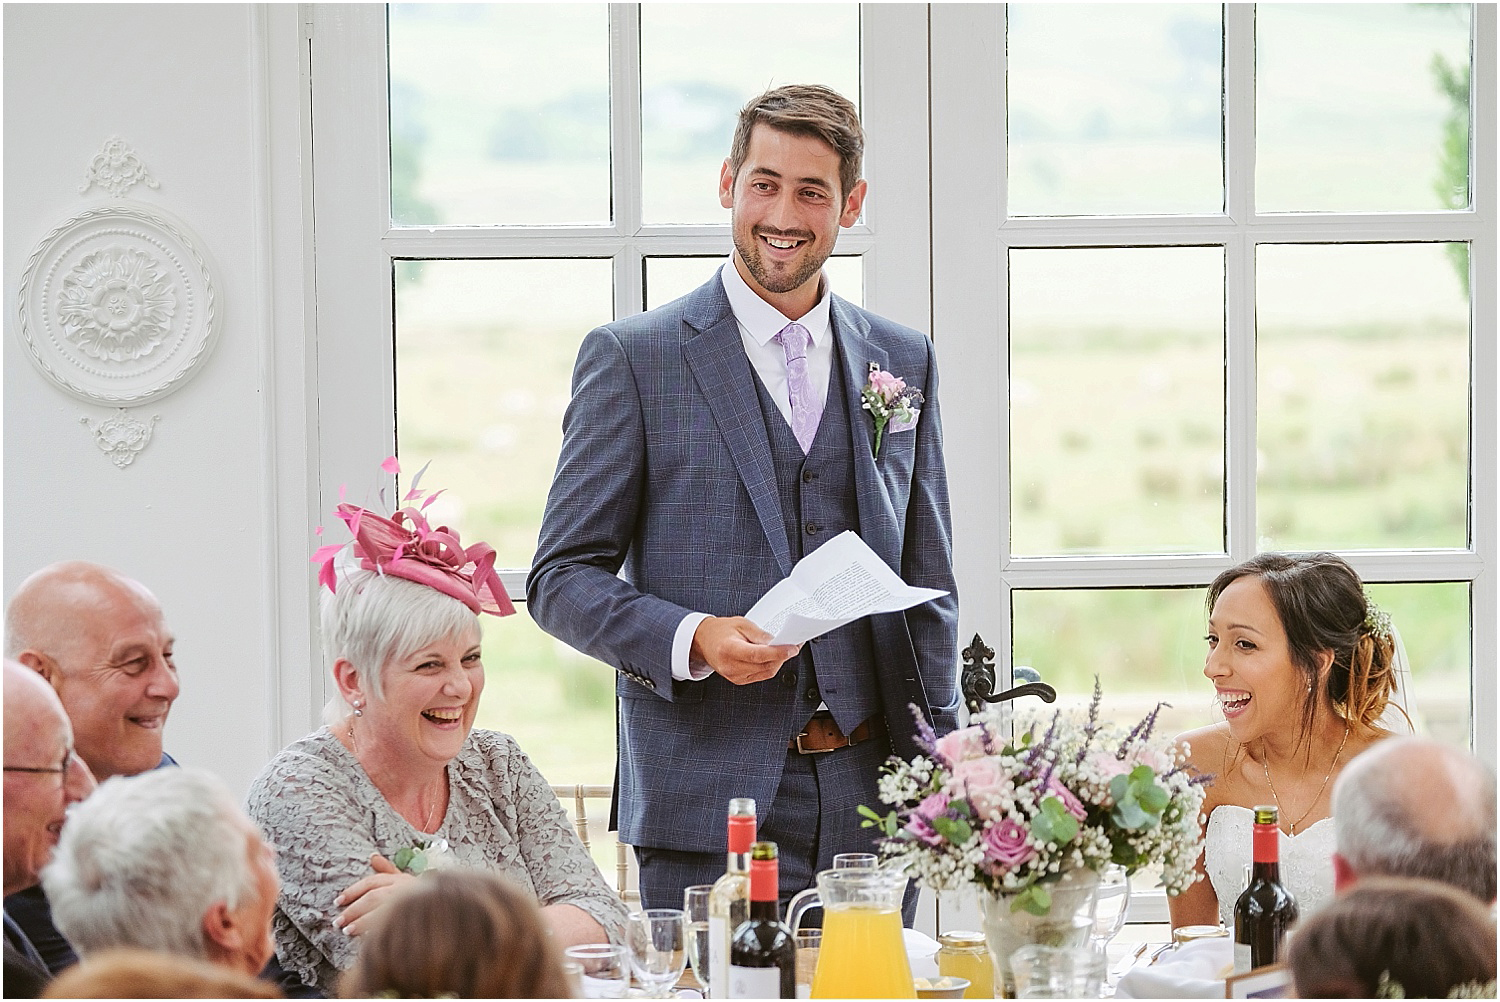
1058, 972
856, 861
657, 950
573, 974
809, 941
604, 974
695, 912
1111, 902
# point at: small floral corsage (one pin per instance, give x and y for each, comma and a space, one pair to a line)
423, 856
890, 402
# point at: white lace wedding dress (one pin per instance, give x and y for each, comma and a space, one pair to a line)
1306, 860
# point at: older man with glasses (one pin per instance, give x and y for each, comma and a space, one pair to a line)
42, 777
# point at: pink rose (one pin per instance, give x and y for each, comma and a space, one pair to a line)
962, 745
888, 386
1106, 766
919, 824
1006, 844
1070, 802
982, 781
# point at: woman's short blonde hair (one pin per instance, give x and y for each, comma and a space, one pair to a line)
374, 618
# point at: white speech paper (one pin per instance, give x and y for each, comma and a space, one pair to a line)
837, 583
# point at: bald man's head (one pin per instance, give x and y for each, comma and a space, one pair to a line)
42, 776
100, 639
1414, 807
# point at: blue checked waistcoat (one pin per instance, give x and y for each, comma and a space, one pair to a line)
666, 501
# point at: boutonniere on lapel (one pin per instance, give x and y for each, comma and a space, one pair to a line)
890, 403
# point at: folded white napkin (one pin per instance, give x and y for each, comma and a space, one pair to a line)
1194, 970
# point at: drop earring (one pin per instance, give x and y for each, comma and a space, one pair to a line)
360, 713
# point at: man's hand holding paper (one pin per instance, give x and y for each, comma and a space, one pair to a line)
839, 582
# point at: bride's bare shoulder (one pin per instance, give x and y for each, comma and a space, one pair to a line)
1206, 746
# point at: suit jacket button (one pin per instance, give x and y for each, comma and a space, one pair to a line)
808, 476
812, 530
811, 694
789, 679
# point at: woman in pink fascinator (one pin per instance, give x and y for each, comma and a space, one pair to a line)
399, 781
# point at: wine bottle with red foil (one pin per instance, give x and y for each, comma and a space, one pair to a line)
729, 901
1265, 909
763, 956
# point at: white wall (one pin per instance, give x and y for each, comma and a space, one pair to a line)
207, 95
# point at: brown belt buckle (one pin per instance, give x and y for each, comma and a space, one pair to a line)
812, 751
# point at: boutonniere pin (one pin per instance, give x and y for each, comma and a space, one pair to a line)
890, 402
423, 856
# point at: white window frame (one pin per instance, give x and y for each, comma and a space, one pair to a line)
972, 238
356, 242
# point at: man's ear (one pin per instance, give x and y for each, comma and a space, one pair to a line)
726, 185
1343, 874
854, 203
222, 935
41, 664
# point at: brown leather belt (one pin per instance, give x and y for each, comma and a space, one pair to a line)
822, 734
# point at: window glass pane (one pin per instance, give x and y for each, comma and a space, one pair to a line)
1144, 644
499, 113
559, 704
1114, 108
692, 92
484, 360
1361, 106
1433, 621
1363, 396
670, 277
1117, 400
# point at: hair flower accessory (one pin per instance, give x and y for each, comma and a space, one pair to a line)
1377, 620
890, 402
405, 546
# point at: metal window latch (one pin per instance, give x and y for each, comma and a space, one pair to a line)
977, 678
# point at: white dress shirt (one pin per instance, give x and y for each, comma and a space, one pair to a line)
759, 323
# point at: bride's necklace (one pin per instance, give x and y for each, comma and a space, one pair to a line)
1265, 764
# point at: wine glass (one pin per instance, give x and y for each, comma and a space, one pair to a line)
657, 950
1111, 903
695, 914
605, 975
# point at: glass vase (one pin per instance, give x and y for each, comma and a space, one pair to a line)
1068, 922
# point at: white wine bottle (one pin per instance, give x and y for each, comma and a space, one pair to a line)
729, 901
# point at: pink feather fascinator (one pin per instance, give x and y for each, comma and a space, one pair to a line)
405, 546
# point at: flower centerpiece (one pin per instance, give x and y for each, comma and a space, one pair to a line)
1030, 820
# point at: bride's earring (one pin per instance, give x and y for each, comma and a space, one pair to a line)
360, 713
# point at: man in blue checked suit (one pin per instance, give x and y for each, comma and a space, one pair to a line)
709, 445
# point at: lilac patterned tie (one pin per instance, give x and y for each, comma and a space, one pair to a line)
793, 340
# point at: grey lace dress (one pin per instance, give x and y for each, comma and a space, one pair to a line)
315, 803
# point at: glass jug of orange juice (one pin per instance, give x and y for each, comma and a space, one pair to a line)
863, 953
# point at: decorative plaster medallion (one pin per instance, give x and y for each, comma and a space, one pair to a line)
121, 437
117, 306
116, 169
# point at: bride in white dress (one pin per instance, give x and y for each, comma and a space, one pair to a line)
1304, 668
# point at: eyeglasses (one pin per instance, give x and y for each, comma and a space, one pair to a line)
67, 763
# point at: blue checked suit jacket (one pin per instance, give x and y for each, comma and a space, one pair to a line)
665, 503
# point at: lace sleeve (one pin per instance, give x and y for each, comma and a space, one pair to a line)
309, 811
560, 868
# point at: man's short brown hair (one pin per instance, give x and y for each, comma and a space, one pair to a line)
805, 110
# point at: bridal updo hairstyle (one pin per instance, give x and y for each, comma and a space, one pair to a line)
1322, 606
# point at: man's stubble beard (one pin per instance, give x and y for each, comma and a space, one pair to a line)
774, 282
